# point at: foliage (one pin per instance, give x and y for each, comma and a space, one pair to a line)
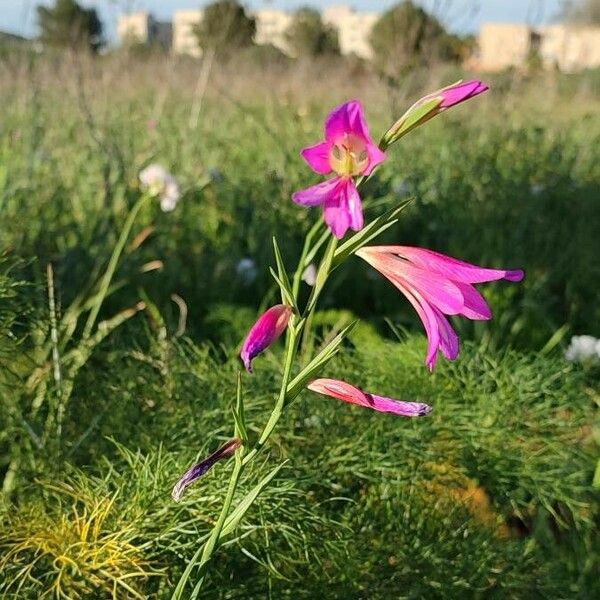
406, 35
225, 27
67, 24
308, 36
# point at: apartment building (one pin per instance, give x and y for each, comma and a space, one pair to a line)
354, 29
566, 47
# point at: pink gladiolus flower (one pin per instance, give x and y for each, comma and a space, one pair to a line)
348, 393
202, 467
347, 151
265, 332
436, 285
455, 94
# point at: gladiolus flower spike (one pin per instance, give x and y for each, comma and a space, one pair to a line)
436, 285
348, 151
431, 105
270, 325
203, 467
348, 393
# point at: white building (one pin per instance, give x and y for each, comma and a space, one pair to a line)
354, 29
184, 38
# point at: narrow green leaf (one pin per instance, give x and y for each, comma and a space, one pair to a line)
240, 510
326, 354
322, 274
368, 233
283, 278
286, 294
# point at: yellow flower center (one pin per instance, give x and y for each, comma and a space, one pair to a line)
348, 156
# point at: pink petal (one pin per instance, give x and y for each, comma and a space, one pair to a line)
265, 332
475, 307
343, 209
376, 157
449, 267
449, 342
317, 157
461, 92
317, 194
348, 393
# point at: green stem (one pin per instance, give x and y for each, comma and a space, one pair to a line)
112, 265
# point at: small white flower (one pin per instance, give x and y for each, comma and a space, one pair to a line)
246, 270
583, 347
309, 276
159, 182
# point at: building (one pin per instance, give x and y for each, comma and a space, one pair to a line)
271, 26
354, 29
142, 28
566, 47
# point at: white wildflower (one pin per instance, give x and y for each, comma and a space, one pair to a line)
583, 347
156, 180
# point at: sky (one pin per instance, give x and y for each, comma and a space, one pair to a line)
461, 16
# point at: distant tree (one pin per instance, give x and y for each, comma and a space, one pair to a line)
69, 25
406, 35
584, 12
308, 35
225, 26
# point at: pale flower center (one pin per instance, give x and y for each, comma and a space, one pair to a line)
348, 156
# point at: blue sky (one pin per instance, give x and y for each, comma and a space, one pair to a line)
18, 16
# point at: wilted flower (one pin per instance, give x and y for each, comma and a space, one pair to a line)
270, 325
347, 151
436, 285
431, 105
348, 393
159, 182
246, 270
202, 467
309, 275
582, 348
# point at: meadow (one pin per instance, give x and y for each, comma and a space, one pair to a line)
493, 495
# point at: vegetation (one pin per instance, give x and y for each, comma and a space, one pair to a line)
308, 36
225, 27
67, 24
406, 36
492, 495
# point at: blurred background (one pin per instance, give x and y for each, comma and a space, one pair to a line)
494, 496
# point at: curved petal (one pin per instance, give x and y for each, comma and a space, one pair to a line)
343, 209
354, 206
376, 157
475, 307
317, 194
449, 342
463, 91
317, 157
449, 267
348, 393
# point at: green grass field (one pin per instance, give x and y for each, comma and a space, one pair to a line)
494, 495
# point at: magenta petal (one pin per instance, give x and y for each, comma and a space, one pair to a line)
202, 467
449, 342
345, 118
475, 307
354, 205
317, 157
265, 332
456, 270
351, 394
376, 157
317, 194
343, 209
461, 92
